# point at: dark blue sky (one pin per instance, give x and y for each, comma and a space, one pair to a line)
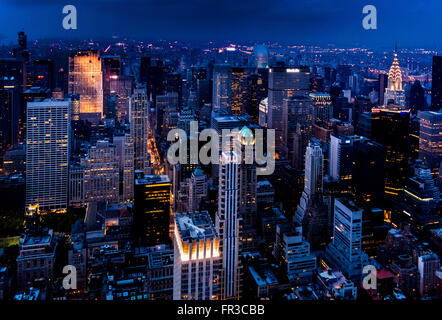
409, 22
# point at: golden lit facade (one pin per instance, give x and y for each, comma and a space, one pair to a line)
394, 89
86, 79
196, 257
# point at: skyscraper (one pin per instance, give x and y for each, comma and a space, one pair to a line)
228, 225
153, 196
47, 153
86, 79
101, 173
322, 106
345, 252
394, 91
196, 257
313, 180
430, 139
138, 115
284, 82
436, 86
222, 88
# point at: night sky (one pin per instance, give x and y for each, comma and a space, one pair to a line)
412, 23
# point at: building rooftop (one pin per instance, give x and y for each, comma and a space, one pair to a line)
195, 226
152, 179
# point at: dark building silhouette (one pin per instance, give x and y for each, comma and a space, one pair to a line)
417, 97
436, 88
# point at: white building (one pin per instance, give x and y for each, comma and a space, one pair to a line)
196, 257
47, 153
228, 226
427, 265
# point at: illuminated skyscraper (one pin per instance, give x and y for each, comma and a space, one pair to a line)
86, 79
322, 106
139, 112
430, 139
47, 153
283, 83
222, 88
394, 91
228, 226
125, 151
196, 257
153, 196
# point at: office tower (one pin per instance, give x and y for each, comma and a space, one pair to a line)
284, 82
313, 179
292, 252
198, 189
345, 252
299, 127
394, 91
427, 265
222, 88
417, 97
153, 76
436, 84
125, 153
263, 112
203, 92
12, 112
75, 107
164, 105
139, 117
368, 177
117, 85
86, 79
174, 84
314, 169
228, 226
341, 160
47, 154
322, 106
153, 196
430, 139
240, 89
417, 205
248, 205
197, 258
391, 128
383, 84
261, 56
101, 173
